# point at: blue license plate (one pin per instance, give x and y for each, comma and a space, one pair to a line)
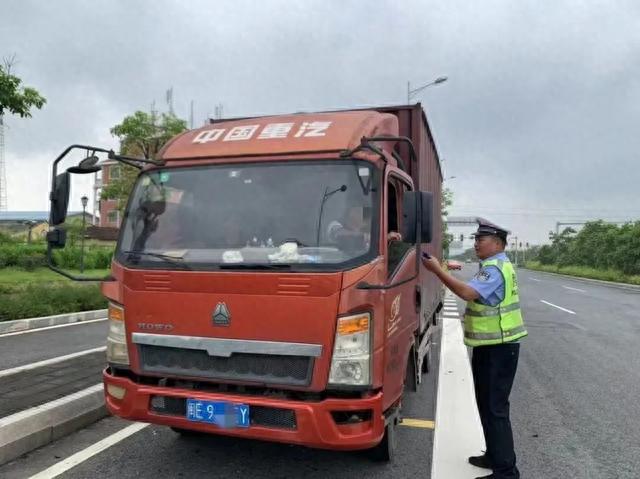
223, 414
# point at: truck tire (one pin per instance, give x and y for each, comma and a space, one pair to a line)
410, 380
426, 362
386, 450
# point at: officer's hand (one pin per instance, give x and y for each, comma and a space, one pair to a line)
431, 263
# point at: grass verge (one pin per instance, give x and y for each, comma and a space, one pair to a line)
585, 272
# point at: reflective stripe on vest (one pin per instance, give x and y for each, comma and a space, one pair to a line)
492, 311
510, 332
487, 325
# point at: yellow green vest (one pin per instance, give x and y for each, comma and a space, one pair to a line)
486, 325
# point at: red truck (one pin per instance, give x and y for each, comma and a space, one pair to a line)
267, 280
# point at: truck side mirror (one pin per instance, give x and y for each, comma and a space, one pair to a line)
57, 238
60, 199
417, 211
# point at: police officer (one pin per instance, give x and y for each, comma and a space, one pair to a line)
493, 327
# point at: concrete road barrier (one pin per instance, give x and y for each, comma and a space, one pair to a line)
46, 321
35, 427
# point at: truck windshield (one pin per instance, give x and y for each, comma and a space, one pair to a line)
315, 214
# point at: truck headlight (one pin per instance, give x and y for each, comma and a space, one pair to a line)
351, 361
117, 338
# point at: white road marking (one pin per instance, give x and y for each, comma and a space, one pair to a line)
556, 306
574, 289
36, 330
458, 433
534, 279
47, 362
81, 456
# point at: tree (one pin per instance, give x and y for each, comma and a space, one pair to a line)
14, 98
141, 135
447, 238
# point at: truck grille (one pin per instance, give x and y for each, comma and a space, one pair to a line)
263, 368
258, 415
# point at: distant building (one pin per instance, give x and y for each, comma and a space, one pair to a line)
19, 224
107, 215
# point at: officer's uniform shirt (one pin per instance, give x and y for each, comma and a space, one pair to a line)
489, 282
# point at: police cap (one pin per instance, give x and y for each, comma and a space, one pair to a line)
486, 228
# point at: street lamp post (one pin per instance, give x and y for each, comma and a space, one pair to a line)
415, 91
84, 201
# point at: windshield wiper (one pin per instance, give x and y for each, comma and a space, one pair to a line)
174, 260
255, 266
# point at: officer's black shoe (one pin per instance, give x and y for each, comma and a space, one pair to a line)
481, 461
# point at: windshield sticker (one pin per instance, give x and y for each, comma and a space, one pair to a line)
164, 176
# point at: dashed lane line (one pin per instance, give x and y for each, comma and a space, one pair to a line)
48, 362
559, 307
574, 289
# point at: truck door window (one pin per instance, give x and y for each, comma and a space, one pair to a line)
396, 250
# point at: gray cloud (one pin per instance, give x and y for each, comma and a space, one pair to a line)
538, 121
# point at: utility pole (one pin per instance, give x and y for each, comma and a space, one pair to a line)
170, 99
3, 173
516, 250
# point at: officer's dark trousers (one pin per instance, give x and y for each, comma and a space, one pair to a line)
494, 368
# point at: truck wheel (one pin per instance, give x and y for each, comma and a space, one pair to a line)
410, 380
426, 362
386, 450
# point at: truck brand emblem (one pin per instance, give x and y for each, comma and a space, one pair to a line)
221, 315
394, 316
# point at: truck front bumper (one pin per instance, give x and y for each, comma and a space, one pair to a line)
312, 424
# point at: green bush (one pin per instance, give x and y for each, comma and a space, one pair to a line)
36, 300
95, 257
30, 263
34, 255
11, 254
608, 248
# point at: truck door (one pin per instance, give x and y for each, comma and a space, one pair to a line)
400, 302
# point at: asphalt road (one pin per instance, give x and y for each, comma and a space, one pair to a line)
159, 452
574, 406
38, 345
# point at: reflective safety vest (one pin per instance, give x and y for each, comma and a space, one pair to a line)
485, 325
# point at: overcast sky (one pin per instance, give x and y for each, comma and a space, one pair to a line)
539, 121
